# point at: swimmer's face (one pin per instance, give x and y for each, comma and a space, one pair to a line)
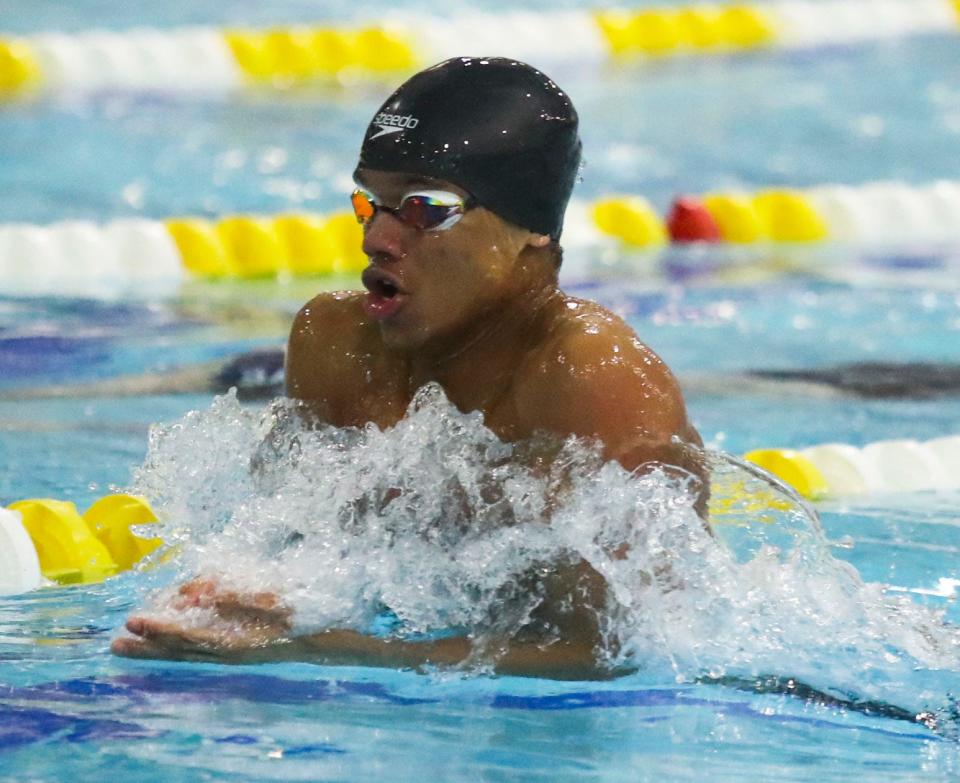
434, 287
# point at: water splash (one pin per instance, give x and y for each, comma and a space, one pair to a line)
440, 525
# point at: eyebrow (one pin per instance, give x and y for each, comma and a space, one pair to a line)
425, 181
415, 181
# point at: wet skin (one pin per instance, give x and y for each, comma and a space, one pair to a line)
475, 308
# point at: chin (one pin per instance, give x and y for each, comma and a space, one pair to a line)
412, 338
401, 339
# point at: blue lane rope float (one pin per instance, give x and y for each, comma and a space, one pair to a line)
224, 59
140, 251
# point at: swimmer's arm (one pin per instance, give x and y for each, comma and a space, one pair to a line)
561, 642
341, 647
560, 660
256, 628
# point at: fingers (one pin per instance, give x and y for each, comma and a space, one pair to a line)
130, 648
259, 609
174, 638
135, 625
237, 626
196, 592
157, 639
142, 648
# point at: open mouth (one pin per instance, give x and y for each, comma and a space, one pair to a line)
384, 294
380, 283
384, 288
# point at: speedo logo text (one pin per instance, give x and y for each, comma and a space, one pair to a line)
393, 123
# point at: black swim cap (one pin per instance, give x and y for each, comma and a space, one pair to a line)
496, 127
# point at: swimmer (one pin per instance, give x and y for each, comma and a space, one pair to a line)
462, 183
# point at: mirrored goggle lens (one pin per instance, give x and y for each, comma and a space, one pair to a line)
425, 212
436, 210
363, 206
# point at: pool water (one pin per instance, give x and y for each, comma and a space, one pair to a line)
69, 709
64, 693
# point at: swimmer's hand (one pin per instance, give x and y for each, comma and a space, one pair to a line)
256, 628
204, 622
234, 628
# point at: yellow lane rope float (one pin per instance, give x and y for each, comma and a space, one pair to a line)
876, 212
214, 59
245, 246
49, 539
44, 539
61, 256
135, 251
836, 470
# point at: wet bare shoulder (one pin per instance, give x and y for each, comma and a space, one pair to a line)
328, 309
328, 332
591, 341
594, 377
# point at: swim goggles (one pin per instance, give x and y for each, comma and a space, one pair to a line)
424, 210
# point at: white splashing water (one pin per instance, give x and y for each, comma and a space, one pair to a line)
443, 524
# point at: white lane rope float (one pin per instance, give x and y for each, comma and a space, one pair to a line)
77, 256
49, 541
45, 541
212, 59
841, 470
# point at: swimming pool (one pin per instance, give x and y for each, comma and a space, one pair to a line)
845, 114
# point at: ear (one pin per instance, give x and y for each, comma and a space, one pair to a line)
538, 240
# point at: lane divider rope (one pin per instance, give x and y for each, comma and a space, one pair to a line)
876, 212
149, 251
45, 539
207, 58
134, 250
839, 470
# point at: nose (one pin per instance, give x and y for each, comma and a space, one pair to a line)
384, 237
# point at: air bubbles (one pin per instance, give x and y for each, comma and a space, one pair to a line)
272, 160
436, 524
871, 126
133, 194
581, 167
232, 159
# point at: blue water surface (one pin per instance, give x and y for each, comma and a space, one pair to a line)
849, 114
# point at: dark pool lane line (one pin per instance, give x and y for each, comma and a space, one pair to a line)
258, 375
50, 339
21, 726
879, 380
681, 698
187, 686
22, 723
